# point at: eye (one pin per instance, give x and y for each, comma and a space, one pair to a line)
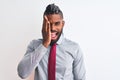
57, 23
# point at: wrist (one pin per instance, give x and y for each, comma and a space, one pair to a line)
45, 44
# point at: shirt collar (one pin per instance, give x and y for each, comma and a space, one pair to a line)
60, 39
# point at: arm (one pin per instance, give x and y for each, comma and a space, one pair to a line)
33, 56
78, 66
30, 59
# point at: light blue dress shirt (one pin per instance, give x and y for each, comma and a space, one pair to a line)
69, 61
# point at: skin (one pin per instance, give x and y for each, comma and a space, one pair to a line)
52, 28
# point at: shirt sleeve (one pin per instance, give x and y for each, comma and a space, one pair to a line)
30, 59
78, 66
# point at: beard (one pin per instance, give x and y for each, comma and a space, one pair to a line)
54, 41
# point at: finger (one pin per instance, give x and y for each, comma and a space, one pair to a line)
45, 24
45, 17
49, 30
48, 27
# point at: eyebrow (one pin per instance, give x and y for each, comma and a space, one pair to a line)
58, 22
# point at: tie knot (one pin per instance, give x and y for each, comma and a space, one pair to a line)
53, 44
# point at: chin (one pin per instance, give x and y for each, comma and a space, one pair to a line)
53, 41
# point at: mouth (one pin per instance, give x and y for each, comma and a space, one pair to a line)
54, 35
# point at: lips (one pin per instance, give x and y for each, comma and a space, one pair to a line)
53, 35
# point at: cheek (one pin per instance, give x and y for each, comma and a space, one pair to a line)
60, 29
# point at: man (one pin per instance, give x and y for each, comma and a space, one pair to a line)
64, 61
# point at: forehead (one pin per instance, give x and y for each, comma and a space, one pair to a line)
54, 17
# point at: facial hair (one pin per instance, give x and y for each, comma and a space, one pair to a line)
54, 41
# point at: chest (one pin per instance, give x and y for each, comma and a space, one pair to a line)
64, 62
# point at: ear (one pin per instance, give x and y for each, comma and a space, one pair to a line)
63, 23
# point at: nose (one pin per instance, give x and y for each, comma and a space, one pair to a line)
52, 27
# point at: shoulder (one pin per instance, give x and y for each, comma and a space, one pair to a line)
70, 46
35, 42
70, 43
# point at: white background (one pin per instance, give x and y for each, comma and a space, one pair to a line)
94, 24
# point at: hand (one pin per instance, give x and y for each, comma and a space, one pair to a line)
46, 32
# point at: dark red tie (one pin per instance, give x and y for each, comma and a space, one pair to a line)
52, 63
